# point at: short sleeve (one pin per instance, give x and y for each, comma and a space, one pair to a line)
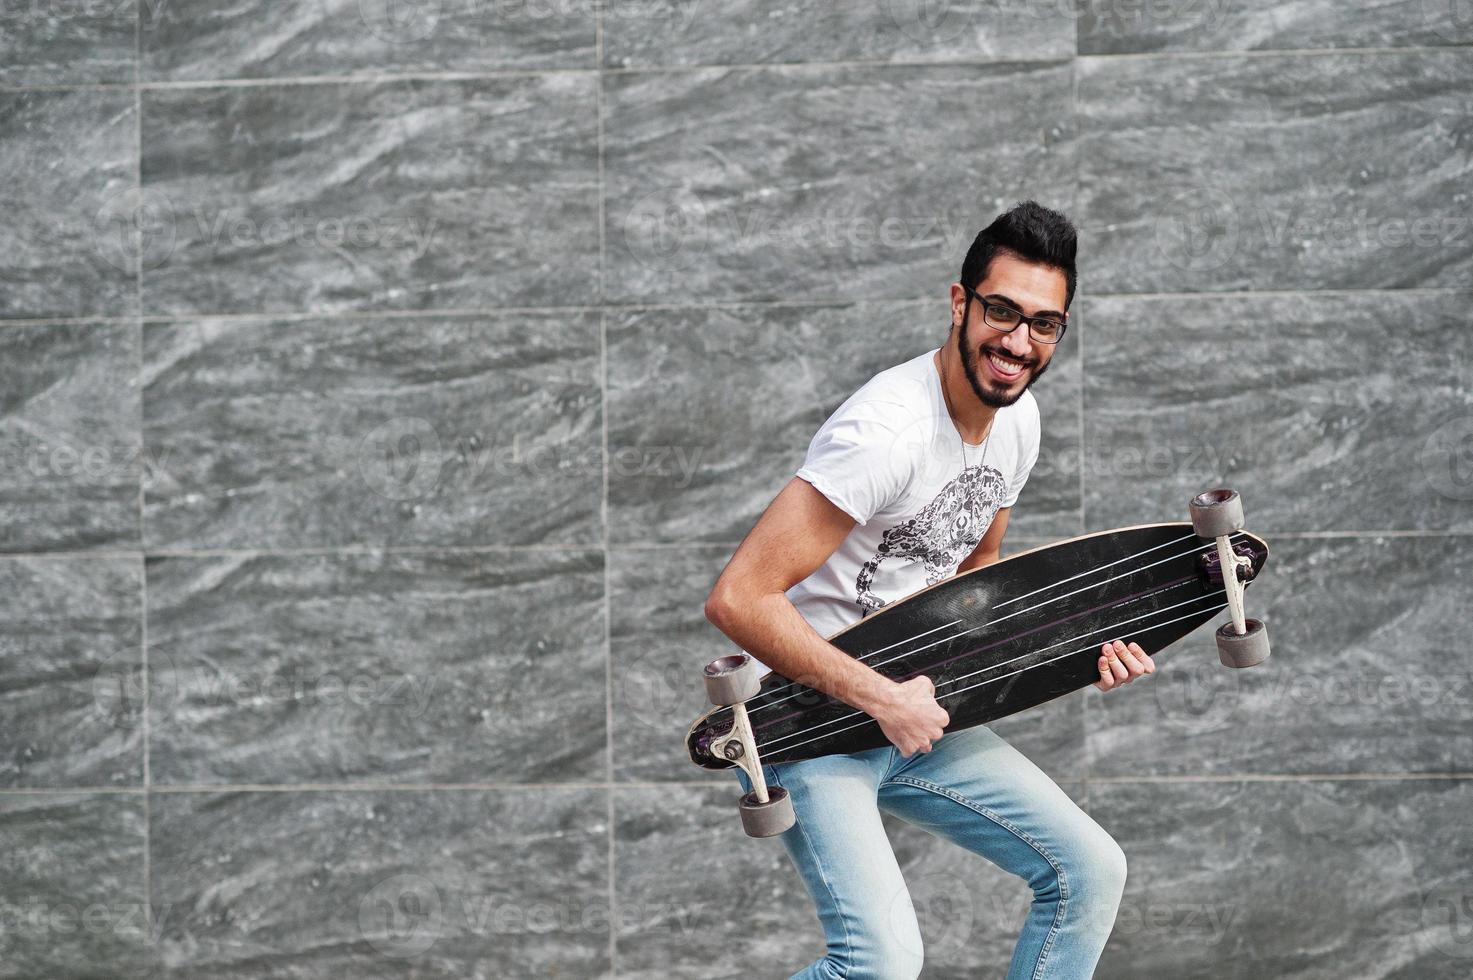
857, 462
1029, 436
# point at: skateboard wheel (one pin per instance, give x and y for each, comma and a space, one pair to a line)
1217, 512
732, 680
1248, 649
767, 819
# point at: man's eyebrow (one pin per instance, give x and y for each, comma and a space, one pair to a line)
1017, 306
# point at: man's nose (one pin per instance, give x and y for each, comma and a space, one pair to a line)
1018, 342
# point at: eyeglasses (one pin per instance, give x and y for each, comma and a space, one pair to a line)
1043, 329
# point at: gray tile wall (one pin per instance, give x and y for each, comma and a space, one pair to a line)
385, 384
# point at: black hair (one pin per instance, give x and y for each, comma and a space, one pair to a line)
1031, 232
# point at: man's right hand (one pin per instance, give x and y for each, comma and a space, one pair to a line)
909, 715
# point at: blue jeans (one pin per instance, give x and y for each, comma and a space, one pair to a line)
975, 790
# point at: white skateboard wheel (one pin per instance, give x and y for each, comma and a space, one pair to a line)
1217, 512
1248, 649
732, 680
768, 819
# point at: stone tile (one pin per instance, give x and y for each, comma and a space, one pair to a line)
449, 668
688, 32
69, 435
1316, 880
659, 640
470, 884
72, 887
722, 183
1203, 25
426, 431
711, 411
66, 43
197, 39
1338, 412
1336, 170
1362, 686
395, 195
695, 896
71, 671
70, 239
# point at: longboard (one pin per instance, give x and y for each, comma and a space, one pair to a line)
1005, 637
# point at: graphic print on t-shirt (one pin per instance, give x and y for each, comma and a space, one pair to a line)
943, 533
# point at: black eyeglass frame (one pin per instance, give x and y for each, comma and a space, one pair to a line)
1063, 325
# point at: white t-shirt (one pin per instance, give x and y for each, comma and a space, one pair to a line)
891, 458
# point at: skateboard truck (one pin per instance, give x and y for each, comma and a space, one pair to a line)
730, 682
1217, 514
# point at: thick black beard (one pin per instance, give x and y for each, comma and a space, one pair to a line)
994, 398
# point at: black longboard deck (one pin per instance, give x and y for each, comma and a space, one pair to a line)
999, 639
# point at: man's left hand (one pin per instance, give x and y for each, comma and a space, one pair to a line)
1121, 664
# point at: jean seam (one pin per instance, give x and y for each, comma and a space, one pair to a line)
1017, 832
834, 899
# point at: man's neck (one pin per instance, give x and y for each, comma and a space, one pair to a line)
970, 416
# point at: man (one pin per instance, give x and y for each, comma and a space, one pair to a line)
911, 480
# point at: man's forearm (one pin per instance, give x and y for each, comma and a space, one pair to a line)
772, 630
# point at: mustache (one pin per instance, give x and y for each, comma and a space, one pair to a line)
984, 351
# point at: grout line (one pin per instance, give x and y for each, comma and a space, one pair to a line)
603, 356
144, 678
610, 788
489, 74
632, 546
677, 546
497, 311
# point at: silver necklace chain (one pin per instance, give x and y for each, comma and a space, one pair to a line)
986, 439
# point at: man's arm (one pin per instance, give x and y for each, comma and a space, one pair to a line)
795, 535
989, 549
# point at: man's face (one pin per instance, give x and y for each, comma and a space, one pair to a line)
1001, 366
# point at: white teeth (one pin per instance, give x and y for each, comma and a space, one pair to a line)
1006, 367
